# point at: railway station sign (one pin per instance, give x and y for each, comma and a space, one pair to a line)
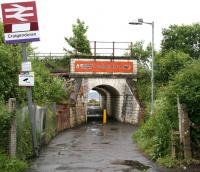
20, 22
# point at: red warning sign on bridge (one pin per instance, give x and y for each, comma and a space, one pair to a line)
104, 66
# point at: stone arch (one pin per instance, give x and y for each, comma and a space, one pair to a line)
111, 90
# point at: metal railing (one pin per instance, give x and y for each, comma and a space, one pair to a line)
105, 48
98, 48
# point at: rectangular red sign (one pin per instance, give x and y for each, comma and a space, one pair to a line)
19, 12
104, 66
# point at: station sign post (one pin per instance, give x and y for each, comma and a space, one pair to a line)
21, 26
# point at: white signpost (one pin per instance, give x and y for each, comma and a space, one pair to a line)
26, 67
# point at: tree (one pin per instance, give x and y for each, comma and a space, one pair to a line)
186, 84
10, 59
79, 41
185, 38
169, 64
144, 73
141, 53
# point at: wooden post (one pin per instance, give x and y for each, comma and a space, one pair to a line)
173, 145
113, 49
95, 49
186, 133
13, 128
180, 125
184, 130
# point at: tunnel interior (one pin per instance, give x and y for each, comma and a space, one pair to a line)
109, 99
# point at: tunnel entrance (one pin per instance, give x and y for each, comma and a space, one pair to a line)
103, 97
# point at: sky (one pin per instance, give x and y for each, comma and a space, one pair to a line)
108, 20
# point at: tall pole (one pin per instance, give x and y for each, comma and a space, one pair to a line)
30, 107
152, 71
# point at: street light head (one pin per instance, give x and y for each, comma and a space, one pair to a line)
137, 22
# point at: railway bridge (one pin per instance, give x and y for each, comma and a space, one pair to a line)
112, 78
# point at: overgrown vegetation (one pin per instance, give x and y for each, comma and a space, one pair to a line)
176, 73
47, 89
5, 120
11, 164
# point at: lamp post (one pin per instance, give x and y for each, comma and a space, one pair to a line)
140, 22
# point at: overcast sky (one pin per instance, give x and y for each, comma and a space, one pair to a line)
108, 19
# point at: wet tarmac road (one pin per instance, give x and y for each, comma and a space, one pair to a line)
94, 148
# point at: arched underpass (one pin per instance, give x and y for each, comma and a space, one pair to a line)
109, 100
116, 97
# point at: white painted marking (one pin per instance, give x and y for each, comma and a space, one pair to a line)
19, 10
21, 27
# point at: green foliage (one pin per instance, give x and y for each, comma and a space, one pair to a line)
9, 69
167, 161
154, 135
57, 65
11, 164
5, 121
143, 84
184, 38
143, 54
10, 62
170, 64
24, 141
47, 88
79, 41
176, 73
93, 102
50, 129
186, 84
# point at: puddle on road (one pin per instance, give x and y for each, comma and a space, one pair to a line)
114, 129
134, 164
84, 169
95, 129
104, 143
61, 145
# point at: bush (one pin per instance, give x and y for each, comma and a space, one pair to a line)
154, 136
186, 84
5, 121
47, 88
11, 164
50, 129
24, 137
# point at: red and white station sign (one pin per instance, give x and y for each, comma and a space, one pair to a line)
20, 12
20, 22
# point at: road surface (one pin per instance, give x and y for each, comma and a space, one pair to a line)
94, 148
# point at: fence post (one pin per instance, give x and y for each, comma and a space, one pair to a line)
186, 133
184, 129
113, 49
13, 128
